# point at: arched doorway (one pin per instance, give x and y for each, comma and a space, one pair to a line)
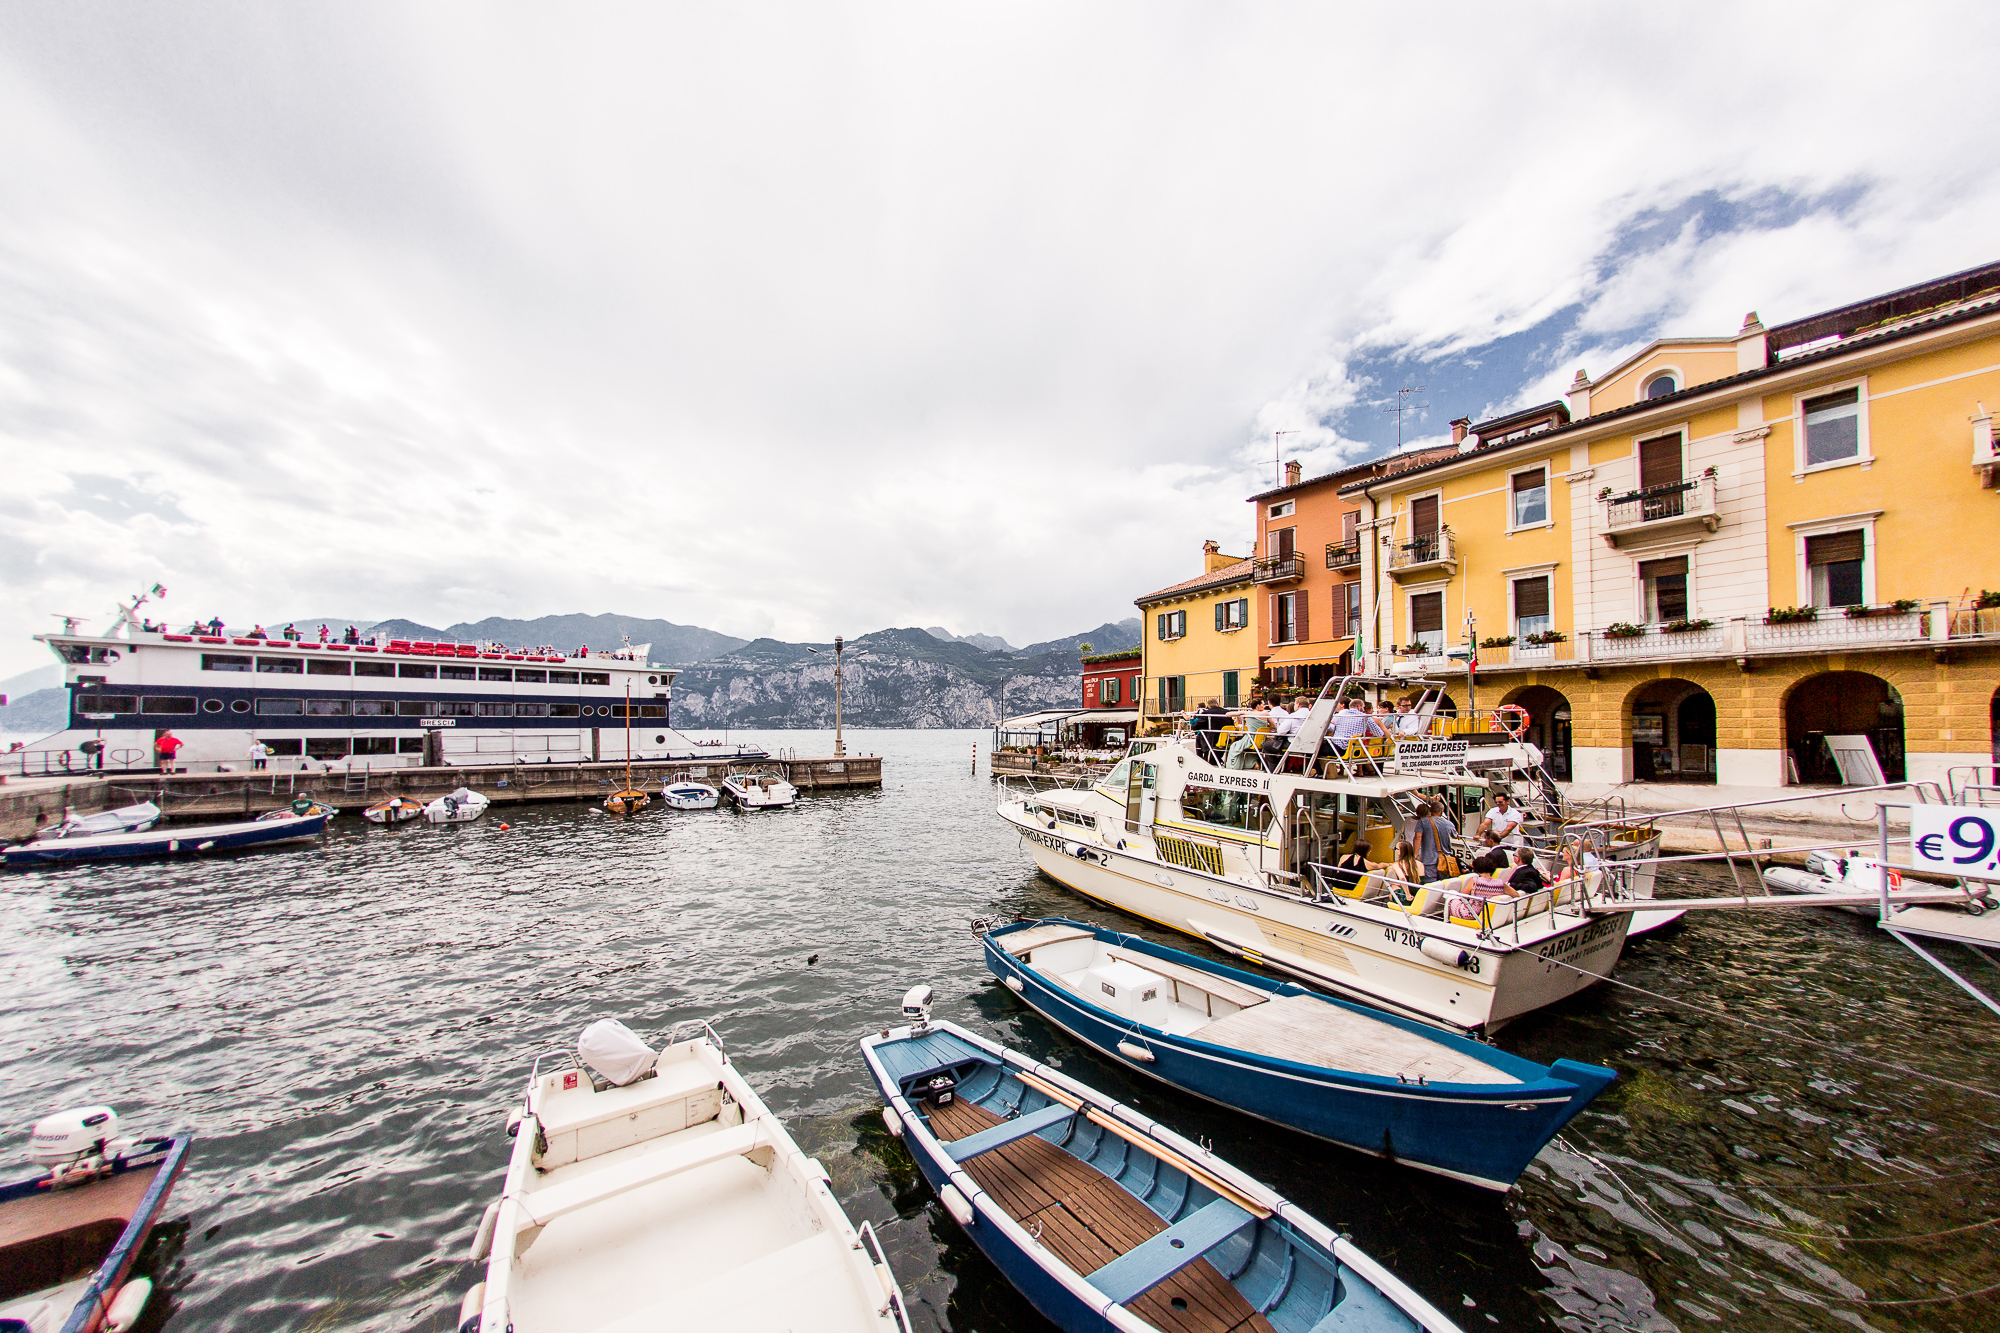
1548, 726
1842, 703
1673, 732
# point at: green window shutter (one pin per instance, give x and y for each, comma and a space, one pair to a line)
1218, 616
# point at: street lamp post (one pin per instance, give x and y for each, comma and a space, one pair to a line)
839, 647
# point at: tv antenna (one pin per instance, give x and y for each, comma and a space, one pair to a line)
1278, 467
1402, 403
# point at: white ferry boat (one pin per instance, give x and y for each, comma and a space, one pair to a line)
1245, 859
380, 703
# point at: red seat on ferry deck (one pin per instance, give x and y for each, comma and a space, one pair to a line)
178, 638
210, 638
311, 647
338, 647
467, 650
491, 657
247, 643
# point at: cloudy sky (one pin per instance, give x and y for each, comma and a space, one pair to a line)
801, 320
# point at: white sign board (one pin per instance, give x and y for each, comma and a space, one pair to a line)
1955, 840
1432, 751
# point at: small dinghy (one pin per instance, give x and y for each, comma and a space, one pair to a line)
394, 810
1367, 1080
1105, 1219
250, 833
70, 1236
129, 819
460, 807
759, 791
627, 802
657, 1191
1836, 872
302, 805
685, 795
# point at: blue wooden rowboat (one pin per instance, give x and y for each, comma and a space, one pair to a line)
169, 841
1107, 1220
1386, 1085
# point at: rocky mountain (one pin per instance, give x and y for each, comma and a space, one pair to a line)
891, 678
35, 714
1122, 634
992, 641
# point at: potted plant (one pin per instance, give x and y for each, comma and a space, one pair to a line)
1710, 471
1988, 599
1414, 650
1547, 637
1499, 641
1623, 629
1604, 494
1791, 615
1688, 626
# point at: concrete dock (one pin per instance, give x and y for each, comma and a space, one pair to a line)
30, 804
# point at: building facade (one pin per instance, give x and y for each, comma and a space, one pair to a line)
1724, 551
1111, 688
1199, 638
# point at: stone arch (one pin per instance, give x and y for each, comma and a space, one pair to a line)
1842, 703
1672, 729
1549, 725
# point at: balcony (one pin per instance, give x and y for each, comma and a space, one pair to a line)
1432, 553
1639, 517
1344, 555
1278, 570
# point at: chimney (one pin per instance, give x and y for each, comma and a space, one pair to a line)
1292, 470
1212, 557
1459, 428
1579, 395
1751, 350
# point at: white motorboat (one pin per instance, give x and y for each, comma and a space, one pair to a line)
394, 810
686, 795
126, 819
459, 807
759, 791
656, 1190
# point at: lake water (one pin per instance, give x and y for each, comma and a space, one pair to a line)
343, 1026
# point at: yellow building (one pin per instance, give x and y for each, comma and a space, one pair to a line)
1724, 551
1200, 638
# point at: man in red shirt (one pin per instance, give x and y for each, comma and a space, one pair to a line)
165, 747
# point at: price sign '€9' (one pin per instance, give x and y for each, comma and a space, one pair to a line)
1954, 840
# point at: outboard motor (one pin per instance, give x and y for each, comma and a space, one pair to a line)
76, 1145
917, 1009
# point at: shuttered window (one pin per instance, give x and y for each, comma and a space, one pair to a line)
1427, 620
1834, 559
1659, 461
1531, 607
1282, 612
1833, 547
1339, 606
1349, 524
1531, 499
1833, 427
1424, 515
1282, 542
1302, 619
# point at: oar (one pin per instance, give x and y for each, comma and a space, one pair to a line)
1140, 1141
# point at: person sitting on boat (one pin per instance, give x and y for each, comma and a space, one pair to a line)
1405, 865
353, 635
1284, 726
291, 633
257, 632
1526, 876
1407, 721
1207, 724
1255, 722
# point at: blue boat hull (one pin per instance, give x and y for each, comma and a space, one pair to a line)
168, 842
1481, 1133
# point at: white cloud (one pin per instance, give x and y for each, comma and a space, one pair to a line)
815, 319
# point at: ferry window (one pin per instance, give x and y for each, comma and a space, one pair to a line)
239, 706
652, 710
326, 747
280, 707
284, 666
1227, 809
458, 673
283, 746
449, 709
73, 652
409, 745
531, 710
326, 708
563, 710
496, 710
319, 666
107, 703
374, 745
495, 673
374, 668
532, 677
412, 708
562, 677
596, 678
211, 705
410, 672
167, 703
224, 662
374, 708
1072, 817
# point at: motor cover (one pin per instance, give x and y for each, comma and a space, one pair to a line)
615, 1051
68, 1135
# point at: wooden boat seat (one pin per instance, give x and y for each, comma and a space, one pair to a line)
1166, 1254
1023, 941
986, 1140
1088, 1221
543, 1206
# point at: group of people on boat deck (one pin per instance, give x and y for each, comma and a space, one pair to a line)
1268, 726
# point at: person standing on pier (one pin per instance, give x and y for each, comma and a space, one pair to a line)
165, 746
259, 755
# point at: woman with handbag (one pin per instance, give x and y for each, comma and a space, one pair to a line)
1435, 830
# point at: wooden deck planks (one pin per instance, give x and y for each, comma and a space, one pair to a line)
1313, 1032
1086, 1219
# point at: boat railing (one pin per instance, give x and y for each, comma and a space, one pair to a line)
867, 1237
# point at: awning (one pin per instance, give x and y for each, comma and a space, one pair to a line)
1032, 721
1104, 717
1308, 654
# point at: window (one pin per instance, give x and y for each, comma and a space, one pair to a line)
374, 745
1833, 428
1427, 620
283, 666
239, 706
1231, 689
413, 708
451, 708
562, 710
496, 710
495, 673
411, 672
533, 677
281, 707
1659, 461
374, 708
326, 708
1226, 809
224, 662
326, 747
652, 710
374, 668
1288, 618
1283, 542
560, 678
1531, 607
107, 703
1232, 615
1424, 515
1171, 625
321, 667
1661, 385
1664, 589
458, 673
596, 678
292, 746
167, 703
1282, 509
531, 710
1340, 591
1531, 498
409, 745
1107, 690
211, 705
1173, 693
1353, 601
1834, 560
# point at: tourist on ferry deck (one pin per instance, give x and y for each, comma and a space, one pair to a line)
1526, 876
1285, 725
1407, 720
257, 632
323, 635
214, 626
1350, 722
1503, 821
1435, 830
292, 633
1403, 866
1207, 725
1256, 722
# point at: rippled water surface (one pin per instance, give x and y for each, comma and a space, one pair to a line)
344, 1025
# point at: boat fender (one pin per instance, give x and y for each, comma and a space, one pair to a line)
128, 1304
471, 1308
513, 1122
955, 1204
1448, 954
892, 1121
482, 1239
1014, 984
202, 847
1133, 1052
